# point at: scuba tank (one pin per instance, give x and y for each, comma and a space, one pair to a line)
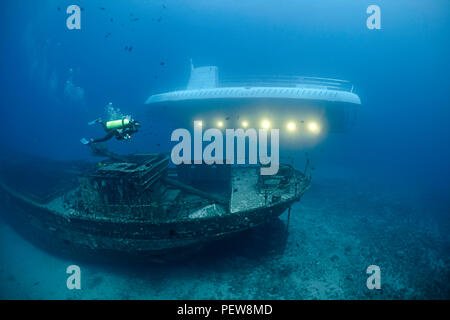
117, 124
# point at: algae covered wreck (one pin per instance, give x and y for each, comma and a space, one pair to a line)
137, 205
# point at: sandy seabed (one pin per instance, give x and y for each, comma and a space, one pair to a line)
341, 226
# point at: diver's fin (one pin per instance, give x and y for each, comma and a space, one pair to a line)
84, 141
94, 121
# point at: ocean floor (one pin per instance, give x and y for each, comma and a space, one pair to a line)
341, 226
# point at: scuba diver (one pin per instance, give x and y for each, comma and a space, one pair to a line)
121, 129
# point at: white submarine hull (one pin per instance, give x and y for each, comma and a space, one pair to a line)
331, 102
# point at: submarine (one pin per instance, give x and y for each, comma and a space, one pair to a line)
294, 104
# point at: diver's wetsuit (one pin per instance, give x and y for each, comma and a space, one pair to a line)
105, 138
121, 133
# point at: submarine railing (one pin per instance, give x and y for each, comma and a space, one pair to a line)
287, 81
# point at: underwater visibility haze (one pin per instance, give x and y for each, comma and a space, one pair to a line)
364, 162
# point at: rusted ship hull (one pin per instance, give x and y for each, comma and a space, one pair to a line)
113, 234
108, 239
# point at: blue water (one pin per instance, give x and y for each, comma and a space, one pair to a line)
380, 193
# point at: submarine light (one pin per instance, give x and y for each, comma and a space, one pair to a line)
198, 123
220, 124
291, 126
265, 124
244, 124
313, 127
